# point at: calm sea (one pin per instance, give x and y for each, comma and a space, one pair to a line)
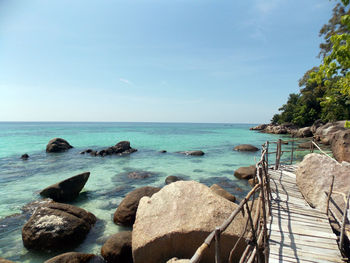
20, 181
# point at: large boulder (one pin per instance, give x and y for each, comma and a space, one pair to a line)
245, 172
258, 127
314, 176
56, 226
175, 221
58, 145
118, 248
341, 146
316, 125
325, 133
75, 257
246, 148
66, 190
126, 211
222, 192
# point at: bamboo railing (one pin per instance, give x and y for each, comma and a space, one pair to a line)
257, 237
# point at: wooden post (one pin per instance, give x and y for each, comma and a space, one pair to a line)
217, 245
342, 231
312, 145
278, 154
291, 155
267, 154
329, 195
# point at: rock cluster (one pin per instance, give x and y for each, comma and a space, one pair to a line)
121, 148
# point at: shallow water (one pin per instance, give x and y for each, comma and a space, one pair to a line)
20, 181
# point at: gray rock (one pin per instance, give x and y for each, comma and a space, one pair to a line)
193, 153
24, 156
171, 179
118, 248
55, 226
245, 172
66, 190
246, 148
341, 146
75, 257
58, 145
222, 192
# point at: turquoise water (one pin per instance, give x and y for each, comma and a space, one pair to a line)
20, 181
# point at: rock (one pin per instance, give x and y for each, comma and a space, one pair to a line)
2, 260
259, 127
305, 145
75, 257
341, 146
171, 179
24, 156
58, 145
56, 226
118, 248
193, 153
139, 174
121, 148
317, 123
245, 172
246, 148
222, 192
304, 132
313, 178
66, 190
126, 211
176, 260
252, 182
162, 151
176, 220
325, 133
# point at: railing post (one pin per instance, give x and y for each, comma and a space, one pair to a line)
267, 154
278, 154
217, 245
312, 146
292, 152
342, 231
329, 195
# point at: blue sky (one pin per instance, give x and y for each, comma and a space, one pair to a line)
154, 60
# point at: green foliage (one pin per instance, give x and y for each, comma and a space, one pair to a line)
325, 90
347, 124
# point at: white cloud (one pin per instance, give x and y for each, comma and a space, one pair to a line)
126, 81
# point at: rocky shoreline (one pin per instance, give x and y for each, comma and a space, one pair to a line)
164, 220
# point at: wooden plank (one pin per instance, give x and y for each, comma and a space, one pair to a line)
290, 223
288, 258
294, 218
307, 255
299, 242
285, 237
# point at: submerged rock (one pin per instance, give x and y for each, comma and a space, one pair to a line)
75, 257
118, 248
126, 211
58, 145
193, 153
176, 220
245, 172
66, 190
139, 174
56, 226
246, 148
222, 192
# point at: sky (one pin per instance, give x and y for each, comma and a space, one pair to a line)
220, 61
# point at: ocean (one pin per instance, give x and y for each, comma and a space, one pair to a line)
21, 180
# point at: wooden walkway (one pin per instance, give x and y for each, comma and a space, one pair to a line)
297, 232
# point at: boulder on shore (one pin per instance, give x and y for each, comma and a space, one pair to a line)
57, 145
171, 179
325, 133
304, 132
118, 248
126, 211
314, 176
222, 192
246, 148
305, 145
56, 226
259, 127
66, 190
245, 172
175, 221
341, 146
75, 257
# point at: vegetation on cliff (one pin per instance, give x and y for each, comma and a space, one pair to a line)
324, 90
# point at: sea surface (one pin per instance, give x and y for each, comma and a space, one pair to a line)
21, 180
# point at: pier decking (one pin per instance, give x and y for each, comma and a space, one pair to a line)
297, 232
